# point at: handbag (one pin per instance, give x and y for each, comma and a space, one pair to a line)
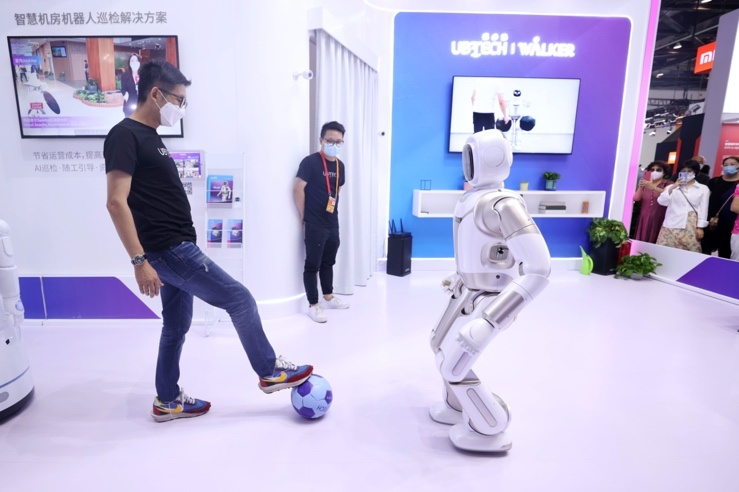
713, 221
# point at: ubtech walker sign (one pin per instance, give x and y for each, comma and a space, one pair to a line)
499, 45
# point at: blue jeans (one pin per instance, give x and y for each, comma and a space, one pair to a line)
186, 272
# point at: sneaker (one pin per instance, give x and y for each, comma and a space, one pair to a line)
286, 375
181, 407
316, 313
334, 303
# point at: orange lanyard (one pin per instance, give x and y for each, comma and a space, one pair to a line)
325, 169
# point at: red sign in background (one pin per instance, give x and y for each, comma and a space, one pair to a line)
704, 58
728, 145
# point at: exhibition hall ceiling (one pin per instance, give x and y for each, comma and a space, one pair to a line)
684, 26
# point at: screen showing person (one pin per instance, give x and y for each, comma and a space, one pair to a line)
82, 86
537, 115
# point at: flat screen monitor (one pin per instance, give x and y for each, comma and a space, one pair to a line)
82, 86
541, 111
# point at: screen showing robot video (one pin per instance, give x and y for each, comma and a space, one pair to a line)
540, 112
82, 86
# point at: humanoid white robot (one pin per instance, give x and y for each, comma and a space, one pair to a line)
502, 264
16, 382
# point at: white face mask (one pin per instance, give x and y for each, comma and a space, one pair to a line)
657, 175
170, 114
135, 65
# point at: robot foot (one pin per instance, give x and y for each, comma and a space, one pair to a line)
463, 437
444, 414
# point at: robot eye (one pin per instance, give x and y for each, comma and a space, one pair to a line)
468, 162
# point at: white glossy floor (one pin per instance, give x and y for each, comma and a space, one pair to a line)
613, 385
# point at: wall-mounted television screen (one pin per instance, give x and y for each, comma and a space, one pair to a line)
541, 111
82, 86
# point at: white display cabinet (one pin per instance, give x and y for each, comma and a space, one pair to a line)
441, 203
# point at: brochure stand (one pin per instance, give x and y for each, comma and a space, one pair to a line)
217, 201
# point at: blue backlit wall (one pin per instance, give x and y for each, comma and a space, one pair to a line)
422, 89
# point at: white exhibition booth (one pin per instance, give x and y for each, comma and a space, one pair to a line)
252, 118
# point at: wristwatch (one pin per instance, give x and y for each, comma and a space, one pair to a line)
138, 260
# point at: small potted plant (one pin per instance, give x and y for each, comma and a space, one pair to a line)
606, 236
636, 267
550, 178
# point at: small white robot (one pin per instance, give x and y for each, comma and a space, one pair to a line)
16, 382
503, 263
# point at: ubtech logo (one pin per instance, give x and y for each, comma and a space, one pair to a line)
496, 44
163, 151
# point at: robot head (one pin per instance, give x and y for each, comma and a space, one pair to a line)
487, 158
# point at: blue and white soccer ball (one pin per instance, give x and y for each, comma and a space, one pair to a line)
312, 399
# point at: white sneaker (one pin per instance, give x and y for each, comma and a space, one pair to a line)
334, 303
316, 314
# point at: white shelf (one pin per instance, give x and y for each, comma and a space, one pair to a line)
440, 203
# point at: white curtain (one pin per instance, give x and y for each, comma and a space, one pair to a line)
346, 91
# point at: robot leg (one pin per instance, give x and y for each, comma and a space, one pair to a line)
449, 411
485, 418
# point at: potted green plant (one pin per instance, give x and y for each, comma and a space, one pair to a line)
606, 236
550, 178
636, 267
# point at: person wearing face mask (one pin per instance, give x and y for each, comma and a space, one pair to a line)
316, 191
129, 85
734, 207
151, 213
701, 176
687, 210
718, 234
652, 213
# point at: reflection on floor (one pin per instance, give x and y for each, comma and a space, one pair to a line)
614, 385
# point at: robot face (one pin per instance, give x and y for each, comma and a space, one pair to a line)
487, 158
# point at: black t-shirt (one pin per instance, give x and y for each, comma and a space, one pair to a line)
316, 194
157, 199
721, 190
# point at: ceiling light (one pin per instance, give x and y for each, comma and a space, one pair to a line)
669, 131
659, 75
677, 46
705, 1
652, 133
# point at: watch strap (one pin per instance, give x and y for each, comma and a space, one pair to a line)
138, 259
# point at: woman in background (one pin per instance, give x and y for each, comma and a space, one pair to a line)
735, 231
130, 84
687, 210
722, 190
652, 213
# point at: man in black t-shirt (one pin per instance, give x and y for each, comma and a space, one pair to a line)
151, 213
317, 186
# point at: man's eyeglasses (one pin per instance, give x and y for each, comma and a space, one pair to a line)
338, 143
180, 99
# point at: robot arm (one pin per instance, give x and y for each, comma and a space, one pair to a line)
10, 292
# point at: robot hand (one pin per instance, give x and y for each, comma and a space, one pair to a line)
451, 284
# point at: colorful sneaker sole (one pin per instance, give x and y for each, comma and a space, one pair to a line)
296, 380
162, 416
